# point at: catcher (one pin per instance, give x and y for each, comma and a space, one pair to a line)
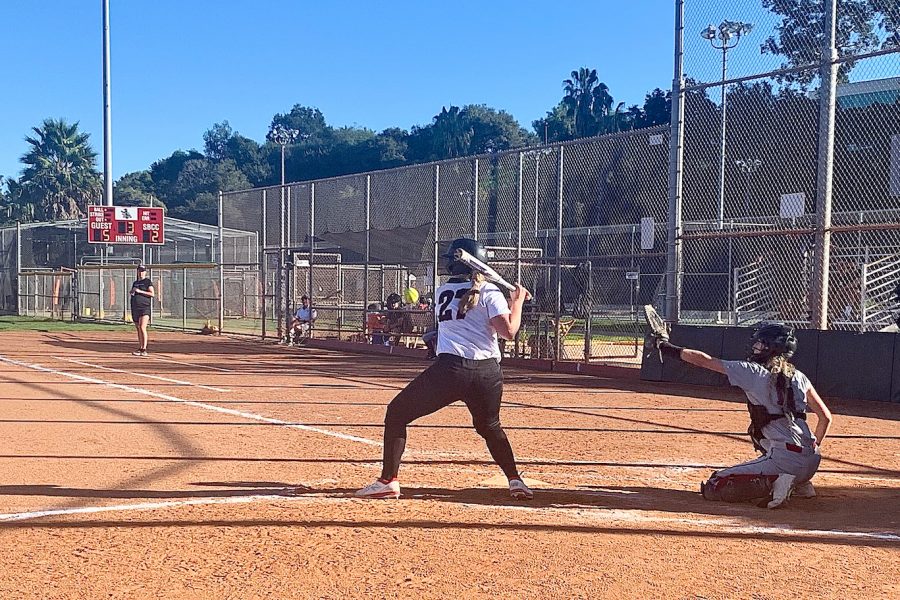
778, 398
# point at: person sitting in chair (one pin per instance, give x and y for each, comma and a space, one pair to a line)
302, 322
397, 321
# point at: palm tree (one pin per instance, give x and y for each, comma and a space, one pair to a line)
587, 101
60, 176
452, 134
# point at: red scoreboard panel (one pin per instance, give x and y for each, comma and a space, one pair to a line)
125, 225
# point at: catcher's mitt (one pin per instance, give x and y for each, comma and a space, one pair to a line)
659, 331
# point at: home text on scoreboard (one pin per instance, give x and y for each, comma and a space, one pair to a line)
125, 225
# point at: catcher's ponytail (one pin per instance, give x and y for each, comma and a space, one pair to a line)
782, 372
470, 298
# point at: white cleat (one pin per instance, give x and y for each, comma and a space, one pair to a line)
804, 490
520, 491
380, 490
781, 490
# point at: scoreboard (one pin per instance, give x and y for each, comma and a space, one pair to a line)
125, 225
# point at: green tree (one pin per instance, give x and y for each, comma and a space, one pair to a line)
493, 130
862, 26
196, 188
136, 189
587, 101
216, 139
307, 120
165, 173
451, 133
557, 126
60, 176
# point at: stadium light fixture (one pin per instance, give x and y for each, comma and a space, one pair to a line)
726, 36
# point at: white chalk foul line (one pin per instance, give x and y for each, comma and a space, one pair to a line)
607, 516
136, 374
203, 405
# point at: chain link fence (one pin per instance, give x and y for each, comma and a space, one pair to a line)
791, 163
550, 217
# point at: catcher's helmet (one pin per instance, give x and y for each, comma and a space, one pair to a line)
777, 339
471, 246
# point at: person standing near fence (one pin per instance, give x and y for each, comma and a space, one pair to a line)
142, 293
472, 313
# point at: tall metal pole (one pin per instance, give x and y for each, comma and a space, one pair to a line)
721, 212
264, 267
221, 266
475, 199
537, 174
368, 249
107, 118
434, 250
18, 263
519, 219
281, 282
312, 243
559, 231
676, 160
827, 99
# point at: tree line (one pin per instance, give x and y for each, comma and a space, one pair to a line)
61, 174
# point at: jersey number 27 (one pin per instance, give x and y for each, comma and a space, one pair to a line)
446, 312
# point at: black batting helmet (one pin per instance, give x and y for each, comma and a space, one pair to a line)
471, 246
393, 299
777, 339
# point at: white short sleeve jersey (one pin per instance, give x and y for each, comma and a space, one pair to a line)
471, 335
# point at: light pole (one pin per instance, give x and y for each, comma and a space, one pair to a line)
281, 135
747, 166
724, 37
107, 117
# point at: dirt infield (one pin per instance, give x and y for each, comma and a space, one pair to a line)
220, 468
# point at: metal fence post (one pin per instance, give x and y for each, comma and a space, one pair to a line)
676, 158
221, 266
281, 308
519, 218
559, 232
184, 298
264, 267
368, 248
125, 295
434, 250
475, 198
18, 262
824, 178
312, 243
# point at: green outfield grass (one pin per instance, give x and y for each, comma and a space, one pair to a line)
16, 323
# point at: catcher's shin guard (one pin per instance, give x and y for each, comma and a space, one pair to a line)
736, 488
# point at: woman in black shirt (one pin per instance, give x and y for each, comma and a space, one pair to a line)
141, 296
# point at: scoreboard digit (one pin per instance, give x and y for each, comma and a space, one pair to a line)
125, 225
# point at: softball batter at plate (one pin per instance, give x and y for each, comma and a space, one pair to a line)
471, 313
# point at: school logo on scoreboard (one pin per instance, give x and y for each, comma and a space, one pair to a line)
125, 225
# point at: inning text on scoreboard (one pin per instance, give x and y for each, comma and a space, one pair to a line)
125, 225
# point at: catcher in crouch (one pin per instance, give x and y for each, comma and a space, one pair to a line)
472, 313
778, 397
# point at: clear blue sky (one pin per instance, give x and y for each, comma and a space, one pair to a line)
179, 66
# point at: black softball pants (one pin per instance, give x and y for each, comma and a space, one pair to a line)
477, 383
